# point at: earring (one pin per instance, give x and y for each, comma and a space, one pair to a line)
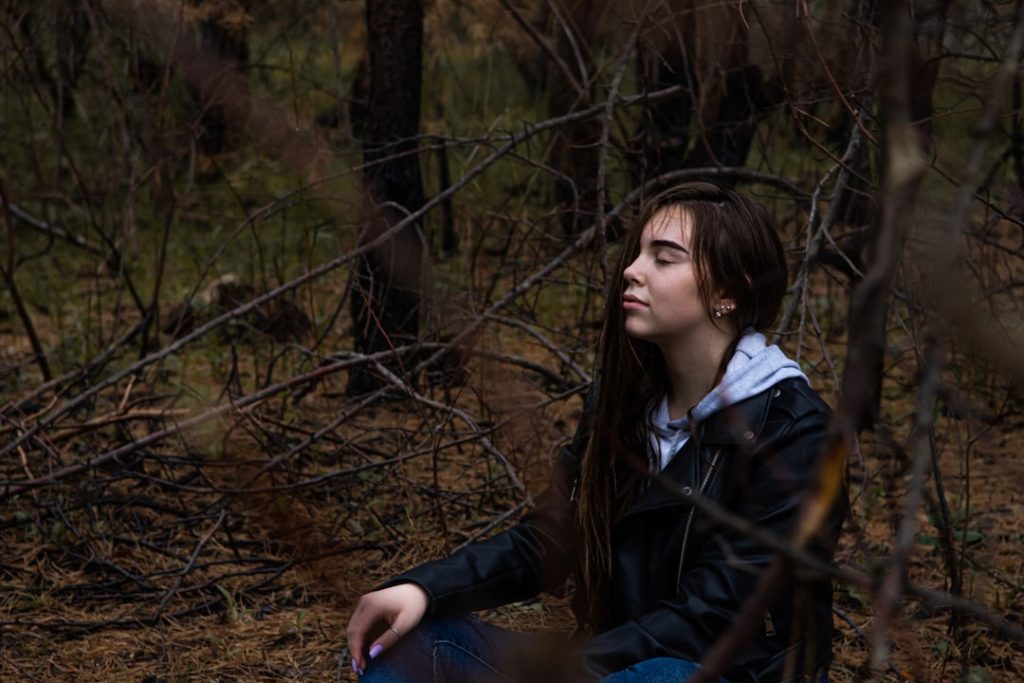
723, 309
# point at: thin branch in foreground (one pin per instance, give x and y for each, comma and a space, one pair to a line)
7, 271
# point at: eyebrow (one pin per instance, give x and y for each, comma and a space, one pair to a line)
670, 244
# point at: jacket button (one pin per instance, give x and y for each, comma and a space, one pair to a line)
777, 393
748, 435
686, 491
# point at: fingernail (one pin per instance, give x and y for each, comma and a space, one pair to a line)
375, 650
355, 667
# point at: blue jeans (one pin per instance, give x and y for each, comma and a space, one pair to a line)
467, 650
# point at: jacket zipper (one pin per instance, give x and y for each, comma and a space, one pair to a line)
769, 624
693, 510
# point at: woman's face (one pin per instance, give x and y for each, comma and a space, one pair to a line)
661, 299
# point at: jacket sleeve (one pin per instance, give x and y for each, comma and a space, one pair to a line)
535, 555
726, 569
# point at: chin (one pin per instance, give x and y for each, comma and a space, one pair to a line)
639, 333
632, 331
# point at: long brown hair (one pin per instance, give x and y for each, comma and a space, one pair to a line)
736, 253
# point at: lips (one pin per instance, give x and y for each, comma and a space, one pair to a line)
630, 301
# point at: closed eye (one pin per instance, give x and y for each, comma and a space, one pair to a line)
668, 256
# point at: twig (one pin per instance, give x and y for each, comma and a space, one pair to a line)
462, 415
570, 36
188, 566
8, 276
812, 246
52, 230
309, 276
903, 170
891, 585
544, 341
21, 672
850, 574
548, 50
13, 489
606, 125
958, 303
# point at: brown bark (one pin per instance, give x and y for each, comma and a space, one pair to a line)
385, 299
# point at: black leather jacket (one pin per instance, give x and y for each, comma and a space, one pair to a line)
679, 580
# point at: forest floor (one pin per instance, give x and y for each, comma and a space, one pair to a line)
324, 555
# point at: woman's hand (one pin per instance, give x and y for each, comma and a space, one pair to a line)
382, 618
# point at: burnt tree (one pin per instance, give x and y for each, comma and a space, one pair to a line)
385, 302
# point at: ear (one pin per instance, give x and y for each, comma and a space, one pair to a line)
723, 307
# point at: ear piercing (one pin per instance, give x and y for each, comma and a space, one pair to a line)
723, 309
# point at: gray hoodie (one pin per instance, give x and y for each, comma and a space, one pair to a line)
753, 368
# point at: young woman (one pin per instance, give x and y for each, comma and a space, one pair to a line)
690, 400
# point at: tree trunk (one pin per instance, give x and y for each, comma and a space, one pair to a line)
73, 39
385, 297
577, 152
908, 73
229, 47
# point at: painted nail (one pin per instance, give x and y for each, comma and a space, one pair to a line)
375, 650
355, 667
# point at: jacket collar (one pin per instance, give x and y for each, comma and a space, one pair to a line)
738, 423
735, 426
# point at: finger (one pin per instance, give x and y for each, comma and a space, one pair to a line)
355, 648
355, 639
391, 635
357, 629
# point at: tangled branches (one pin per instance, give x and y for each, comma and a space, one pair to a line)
167, 458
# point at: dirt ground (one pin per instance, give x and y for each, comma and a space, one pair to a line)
294, 628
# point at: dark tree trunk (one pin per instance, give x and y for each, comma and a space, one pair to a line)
449, 238
577, 152
727, 140
1017, 136
674, 134
385, 298
907, 79
665, 125
73, 25
229, 49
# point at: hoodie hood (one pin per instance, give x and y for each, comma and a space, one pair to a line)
753, 368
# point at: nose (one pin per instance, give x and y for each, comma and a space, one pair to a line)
632, 273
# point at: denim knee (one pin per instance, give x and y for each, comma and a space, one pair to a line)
441, 650
656, 670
